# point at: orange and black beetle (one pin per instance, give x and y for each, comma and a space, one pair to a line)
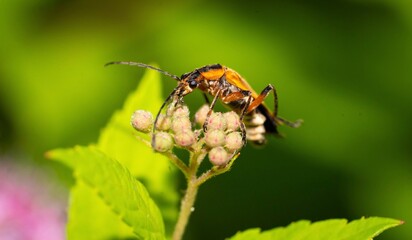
227, 85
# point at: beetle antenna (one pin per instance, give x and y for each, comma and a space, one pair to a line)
168, 99
144, 66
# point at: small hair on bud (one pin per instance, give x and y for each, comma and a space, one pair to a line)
185, 138
217, 121
163, 123
218, 156
201, 114
177, 109
181, 111
233, 141
163, 142
233, 120
181, 124
142, 121
215, 138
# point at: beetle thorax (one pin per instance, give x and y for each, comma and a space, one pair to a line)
212, 87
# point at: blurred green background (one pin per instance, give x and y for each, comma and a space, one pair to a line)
343, 66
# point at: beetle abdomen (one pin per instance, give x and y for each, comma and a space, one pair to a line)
255, 130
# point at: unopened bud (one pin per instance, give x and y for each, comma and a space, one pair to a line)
142, 121
233, 120
177, 110
181, 124
234, 141
215, 138
163, 142
201, 114
185, 138
218, 156
181, 111
217, 121
163, 123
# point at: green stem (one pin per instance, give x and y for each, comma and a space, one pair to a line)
177, 162
173, 158
214, 171
186, 207
193, 183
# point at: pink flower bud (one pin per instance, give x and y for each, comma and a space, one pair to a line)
181, 124
178, 110
233, 120
142, 121
185, 138
163, 123
163, 142
201, 114
234, 141
181, 111
218, 156
215, 138
217, 121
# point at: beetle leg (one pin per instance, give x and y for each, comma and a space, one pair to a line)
242, 124
242, 115
235, 96
206, 99
212, 105
262, 97
278, 120
294, 124
168, 99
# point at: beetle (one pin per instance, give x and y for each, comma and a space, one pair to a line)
234, 91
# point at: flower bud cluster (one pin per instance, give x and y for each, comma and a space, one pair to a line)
221, 139
223, 135
172, 128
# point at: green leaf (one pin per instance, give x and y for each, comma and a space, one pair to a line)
333, 229
110, 181
96, 222
154, 170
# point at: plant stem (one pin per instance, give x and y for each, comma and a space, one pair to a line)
177, 162
173, 158
187, 207
193, 184
214, 171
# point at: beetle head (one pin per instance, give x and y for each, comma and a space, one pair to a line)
188, 83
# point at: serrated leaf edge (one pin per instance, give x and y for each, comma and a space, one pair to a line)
261, 233
100, 195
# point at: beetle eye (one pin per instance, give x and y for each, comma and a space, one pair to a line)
192, 83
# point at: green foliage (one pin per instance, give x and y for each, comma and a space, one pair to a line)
333, 229
91, 218
154, 170
118, 142
113, 184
